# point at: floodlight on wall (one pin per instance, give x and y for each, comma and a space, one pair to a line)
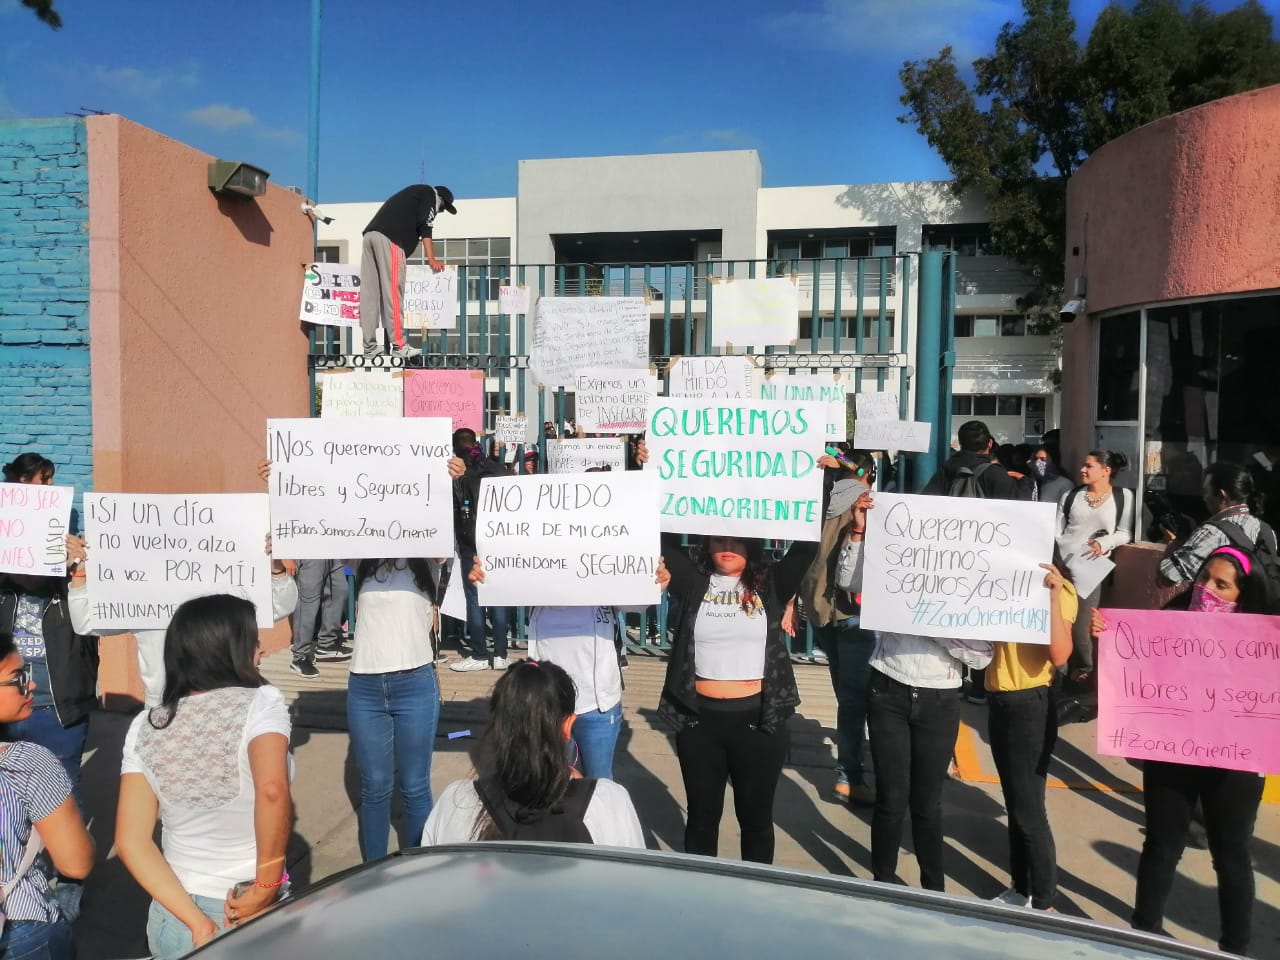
240, 179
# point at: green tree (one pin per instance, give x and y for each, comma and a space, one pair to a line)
44, 11
1040, 103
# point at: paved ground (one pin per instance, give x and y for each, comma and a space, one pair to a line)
1096, 813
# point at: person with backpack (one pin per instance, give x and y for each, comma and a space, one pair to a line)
525, 786
971, 471
1234, 510
1093, 519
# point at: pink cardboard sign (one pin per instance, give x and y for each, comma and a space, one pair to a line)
457, 394
1197, 688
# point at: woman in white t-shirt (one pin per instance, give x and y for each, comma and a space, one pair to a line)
526, 788
212, 763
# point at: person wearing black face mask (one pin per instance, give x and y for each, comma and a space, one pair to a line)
466, 497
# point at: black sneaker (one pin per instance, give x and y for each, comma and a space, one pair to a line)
305, 669
338, 652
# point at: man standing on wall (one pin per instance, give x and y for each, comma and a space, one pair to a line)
389, 239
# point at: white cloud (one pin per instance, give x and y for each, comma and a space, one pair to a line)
902, 28
221, 117
146, 84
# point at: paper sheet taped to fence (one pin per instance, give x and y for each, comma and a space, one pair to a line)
1194, 688
456, 394
755, 313
572, 334
957, 567
513, 300
576, 456
587, 539
331, 295
151, 552
361, 487
877, 405
613, 401
825, 389
742, 468
430, 299
912, 435
33, 528
721, 378
361, 393
511, 429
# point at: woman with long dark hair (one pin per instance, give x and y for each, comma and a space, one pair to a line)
729, 688
1234, 508
211, 762
393, 697
525, 786
29, 468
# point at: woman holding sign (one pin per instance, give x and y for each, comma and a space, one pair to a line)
729, 688
1229, 581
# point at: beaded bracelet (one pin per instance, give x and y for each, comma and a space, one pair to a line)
284, 878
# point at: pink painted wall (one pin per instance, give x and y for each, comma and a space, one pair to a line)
1187, 206
193, 326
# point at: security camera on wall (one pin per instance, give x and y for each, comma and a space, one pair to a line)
1070, 310
312, 210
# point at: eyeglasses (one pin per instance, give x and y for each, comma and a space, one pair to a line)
21, 679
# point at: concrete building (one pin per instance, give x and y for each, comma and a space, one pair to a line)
663, 224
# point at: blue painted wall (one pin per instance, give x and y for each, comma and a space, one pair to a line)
45, 403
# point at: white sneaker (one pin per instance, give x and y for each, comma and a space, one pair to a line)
499, 663
406, 351
469, 664
1012, 898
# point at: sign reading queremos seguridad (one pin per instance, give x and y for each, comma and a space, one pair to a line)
738, 468
957, 567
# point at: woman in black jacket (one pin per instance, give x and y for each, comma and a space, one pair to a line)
729, 687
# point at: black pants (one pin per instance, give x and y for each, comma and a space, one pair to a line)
1230, 799
913, 735
725, 744
1023, 728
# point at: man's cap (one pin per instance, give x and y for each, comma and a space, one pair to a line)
446, 195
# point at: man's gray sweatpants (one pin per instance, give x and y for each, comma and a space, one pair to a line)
382, 266
322, 606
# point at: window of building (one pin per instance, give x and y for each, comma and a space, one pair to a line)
848, 329
1008, 325
1119, 340
472, 252
986, 326
1008, 406
1013, 326
328, 253
984, 405
962, 405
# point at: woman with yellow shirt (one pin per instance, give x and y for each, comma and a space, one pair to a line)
1023, 729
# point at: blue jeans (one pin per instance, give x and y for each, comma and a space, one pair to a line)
65, 743
477, 645
392, 718
33, 940
595, 734
849, 650
168, 937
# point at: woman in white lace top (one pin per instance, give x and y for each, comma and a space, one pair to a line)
212, 763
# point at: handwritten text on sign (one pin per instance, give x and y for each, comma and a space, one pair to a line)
821, 388
362, 393
456, 394
331, 295
573, 540
746, 469
513, 300
877, 405
755, 313
1194, 688
361, 487
511, 429
724, 378
430, 299
33, 528
957, 567
613, 401
149, 553
573, 334
575, 456
911, 435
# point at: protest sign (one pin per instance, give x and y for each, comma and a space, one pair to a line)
511, 429
1087, 571
34, 520
576, 456
957, 567
755, 313
513, 300
1195, 688
877, 405
911, 435
151, 552
613, 401
430, 299
361, 487
572, 334
581, 540
456, 394
331, 295
454, 603
824, 388
721, 378
741, 468
362, 393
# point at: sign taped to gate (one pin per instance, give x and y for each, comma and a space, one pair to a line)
361, 393
912, 435
573, 334
34, 522
577, 456
331, 295
430, 299
613, 401
511, 429
513, 300
755, 313
823, 388
719, 378
456, 394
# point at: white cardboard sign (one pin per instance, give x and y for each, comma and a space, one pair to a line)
613, 401
511, 429
151, 552
823, 389
588, 539
361, 487
454, 603
573, 334
577, 456
513, 300
721, 378
911, 435
957, 567
755, 313
877, 405
362, 393
430, 299
331, 295
34, 520
741, 468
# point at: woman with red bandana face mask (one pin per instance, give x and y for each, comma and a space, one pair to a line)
1229, 581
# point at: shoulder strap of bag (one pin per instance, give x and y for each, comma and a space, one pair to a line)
34, 846
1067, 505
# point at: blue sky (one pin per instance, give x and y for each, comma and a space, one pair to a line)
465, 90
